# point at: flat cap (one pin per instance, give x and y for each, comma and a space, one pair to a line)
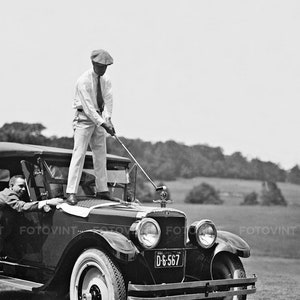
101, 57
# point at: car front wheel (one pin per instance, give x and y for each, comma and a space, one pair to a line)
227, 266
96, 277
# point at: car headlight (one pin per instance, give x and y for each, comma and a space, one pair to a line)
203, 233
146, 232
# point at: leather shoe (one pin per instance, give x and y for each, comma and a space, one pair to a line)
104, 196
72, 200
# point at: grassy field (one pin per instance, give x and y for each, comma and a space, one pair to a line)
278, 278
232, 191
273, 233
270, 231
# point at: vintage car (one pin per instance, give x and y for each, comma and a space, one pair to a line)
117, 249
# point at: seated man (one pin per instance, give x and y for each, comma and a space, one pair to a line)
12, 197
11, 200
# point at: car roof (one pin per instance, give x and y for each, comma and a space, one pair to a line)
8, 149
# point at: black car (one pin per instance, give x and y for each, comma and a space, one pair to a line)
120, 249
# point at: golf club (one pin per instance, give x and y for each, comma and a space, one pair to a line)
157, 188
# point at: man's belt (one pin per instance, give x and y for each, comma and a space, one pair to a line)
81, 110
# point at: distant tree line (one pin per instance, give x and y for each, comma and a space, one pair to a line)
166, 160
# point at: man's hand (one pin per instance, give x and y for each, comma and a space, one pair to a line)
54, 201
45, 204
109, 127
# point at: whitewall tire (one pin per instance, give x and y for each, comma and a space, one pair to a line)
96, 277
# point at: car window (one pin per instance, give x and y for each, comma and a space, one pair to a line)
4, 175
58, 172
4, 178
114, 176
117, 179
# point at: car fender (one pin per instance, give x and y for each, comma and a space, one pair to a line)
230, 242
113, 243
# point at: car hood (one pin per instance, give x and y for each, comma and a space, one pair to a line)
119, 216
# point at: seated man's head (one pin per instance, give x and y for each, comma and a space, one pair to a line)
17, 184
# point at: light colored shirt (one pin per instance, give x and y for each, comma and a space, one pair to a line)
86, 96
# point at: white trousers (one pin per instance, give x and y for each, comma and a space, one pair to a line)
87, 133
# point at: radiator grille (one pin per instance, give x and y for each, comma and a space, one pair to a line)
173, 236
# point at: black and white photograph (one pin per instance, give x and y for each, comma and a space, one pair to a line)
149, 150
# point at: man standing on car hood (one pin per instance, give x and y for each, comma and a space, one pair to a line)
93, 103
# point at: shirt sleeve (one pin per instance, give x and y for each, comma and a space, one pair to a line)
87, 104
16, 204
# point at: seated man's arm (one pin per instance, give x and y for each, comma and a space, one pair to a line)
21, 206
15, 203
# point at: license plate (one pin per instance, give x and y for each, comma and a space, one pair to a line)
168, 259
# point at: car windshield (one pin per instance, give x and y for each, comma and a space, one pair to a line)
118, 178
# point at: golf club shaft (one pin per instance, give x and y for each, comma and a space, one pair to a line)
155, 186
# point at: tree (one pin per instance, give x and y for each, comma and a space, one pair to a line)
203, 194
23, 133
250, 199
271, 194
293, 175
237, 166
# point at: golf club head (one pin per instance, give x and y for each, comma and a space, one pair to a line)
161, 188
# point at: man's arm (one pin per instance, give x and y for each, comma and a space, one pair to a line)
16, 204
21, 206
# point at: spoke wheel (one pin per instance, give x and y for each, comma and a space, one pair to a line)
96, 277
226, 266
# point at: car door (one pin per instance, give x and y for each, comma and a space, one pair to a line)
29, 236
54, 231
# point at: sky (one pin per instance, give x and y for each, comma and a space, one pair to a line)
221, 73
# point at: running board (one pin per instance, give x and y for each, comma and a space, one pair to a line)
19, 283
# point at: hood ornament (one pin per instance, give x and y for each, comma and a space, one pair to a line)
163, 196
